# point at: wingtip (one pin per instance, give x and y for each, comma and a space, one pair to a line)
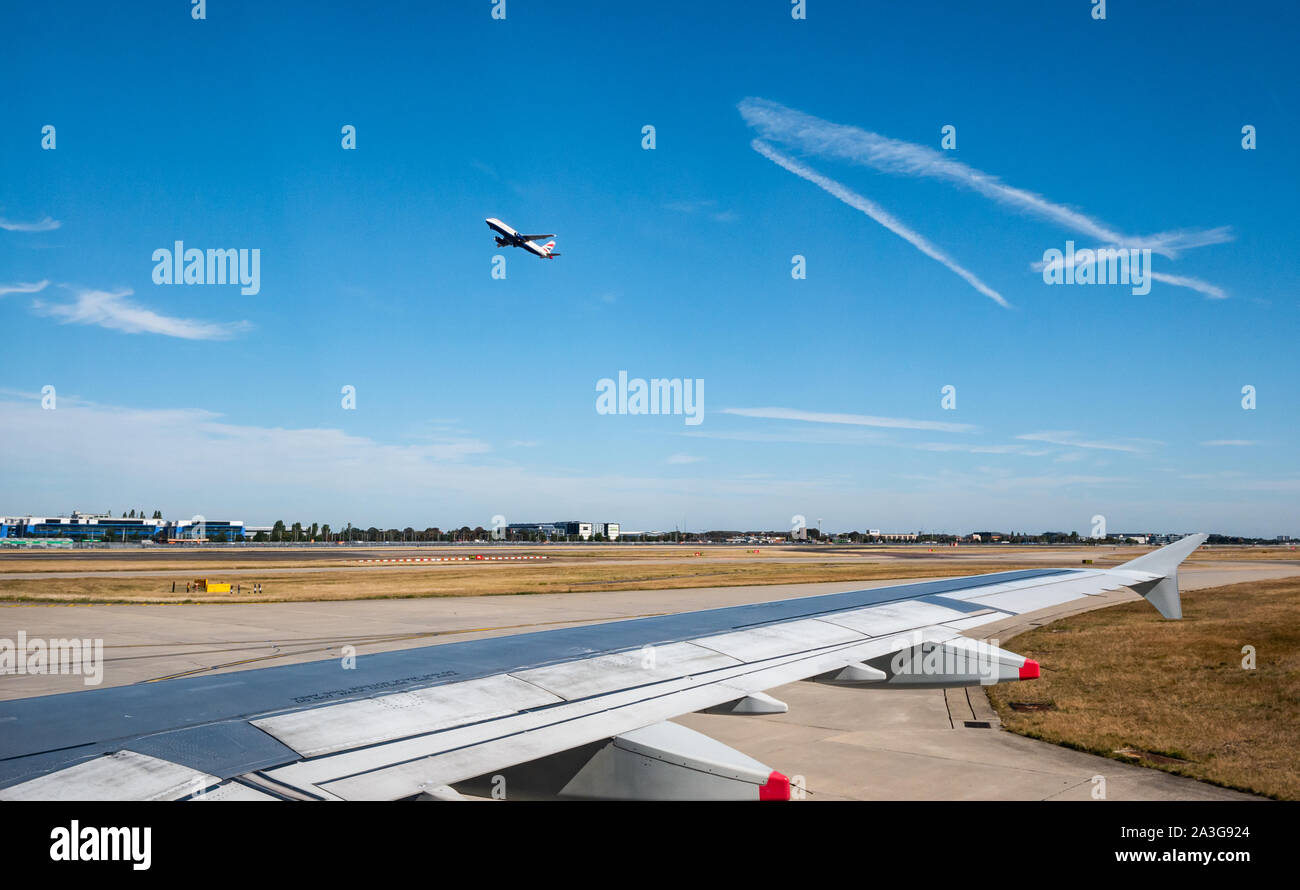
1161, 590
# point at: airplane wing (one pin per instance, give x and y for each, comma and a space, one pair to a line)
536, 237
578, 712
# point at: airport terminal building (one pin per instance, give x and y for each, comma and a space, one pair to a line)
86, 527
564, 529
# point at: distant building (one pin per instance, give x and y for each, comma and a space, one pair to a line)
218, 531
82, 527
544, 529
565, 529
576, 529
1131, 537
96, 527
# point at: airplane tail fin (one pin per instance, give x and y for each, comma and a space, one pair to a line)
1159, 574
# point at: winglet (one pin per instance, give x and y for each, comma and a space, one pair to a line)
1162, 591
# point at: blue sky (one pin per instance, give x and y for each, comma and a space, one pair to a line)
476, 396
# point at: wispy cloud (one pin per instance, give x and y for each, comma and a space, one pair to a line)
20, 287
45, 225
683, 459
1236, 480
902, 423
1023, 450
805, 435
1075, 440
1273, 485
879, 214
1224, 443
109, 309
1002, 479
86, 454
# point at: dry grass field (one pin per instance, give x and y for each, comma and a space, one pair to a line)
1220, 553
191, 560
289, 574
1123, 683
474, 579
320, 556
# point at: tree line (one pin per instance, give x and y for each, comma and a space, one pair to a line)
308, 532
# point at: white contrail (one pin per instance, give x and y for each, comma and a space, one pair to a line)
1213, 291
1169, 243
902, 423
1073, 440
816, 136
878, 213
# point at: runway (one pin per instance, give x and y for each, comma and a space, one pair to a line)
847, 744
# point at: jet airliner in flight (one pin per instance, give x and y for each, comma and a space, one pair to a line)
508, 237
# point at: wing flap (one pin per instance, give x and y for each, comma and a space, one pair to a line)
382, 719
775, 640
124, 775
404, 768
622, 670
1031, 594
878, 621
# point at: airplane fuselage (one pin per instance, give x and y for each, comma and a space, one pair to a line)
508, 237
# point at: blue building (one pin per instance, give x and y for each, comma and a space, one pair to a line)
106, 528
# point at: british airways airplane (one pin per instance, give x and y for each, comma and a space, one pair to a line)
508, 237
